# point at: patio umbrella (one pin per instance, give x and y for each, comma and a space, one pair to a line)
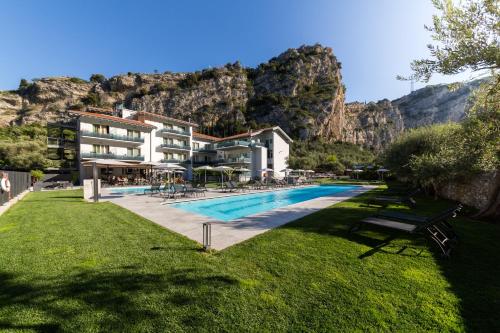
357, 171
266, 170
150, 164
222, 169
286, 171
241, 169
169, 166
381, 171
205, 167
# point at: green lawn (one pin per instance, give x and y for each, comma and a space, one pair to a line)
73, 266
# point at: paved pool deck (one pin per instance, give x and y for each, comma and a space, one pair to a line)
224, 234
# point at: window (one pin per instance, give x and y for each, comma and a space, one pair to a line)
133, 152
168, 141
100, 149
269, 153
103, 129
168, 156
133, 134
196, 145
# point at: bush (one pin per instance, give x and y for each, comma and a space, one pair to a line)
77, 80
430, 156
97, 78
37, 174
92, 99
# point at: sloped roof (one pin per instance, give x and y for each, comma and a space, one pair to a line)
154, 116
113, 118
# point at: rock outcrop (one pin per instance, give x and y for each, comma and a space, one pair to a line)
301, 90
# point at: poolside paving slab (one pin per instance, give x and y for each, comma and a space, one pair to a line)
224, 234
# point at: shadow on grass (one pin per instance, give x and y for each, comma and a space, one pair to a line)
124, 300
473, 271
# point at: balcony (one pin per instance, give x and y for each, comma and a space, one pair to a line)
174, 146
174, 131
60, 143
112, 156
175, 160
110, 136
237, 144
236, 160
204, 150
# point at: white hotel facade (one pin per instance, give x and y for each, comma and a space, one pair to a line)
137, 136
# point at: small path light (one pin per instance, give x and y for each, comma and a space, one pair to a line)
207, 236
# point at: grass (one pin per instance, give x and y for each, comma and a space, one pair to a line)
67, 265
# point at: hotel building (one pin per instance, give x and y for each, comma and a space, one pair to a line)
137, 136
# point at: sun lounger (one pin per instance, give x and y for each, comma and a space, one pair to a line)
155, 188
384, 201
190, 190
436, 228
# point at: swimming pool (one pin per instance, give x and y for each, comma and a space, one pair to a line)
230, 208
128, 190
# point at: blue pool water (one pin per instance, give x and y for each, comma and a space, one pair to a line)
129, 190
230, 208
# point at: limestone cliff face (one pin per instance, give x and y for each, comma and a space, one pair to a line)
372, 125
300, 90
435, 104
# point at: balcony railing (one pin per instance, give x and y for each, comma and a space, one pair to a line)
204, 150
112, 156
232, 144
236, 160
174, 146
112, 136
174, 131
235, 143
60, 143
174, 160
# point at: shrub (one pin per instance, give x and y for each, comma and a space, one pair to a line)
92, 99
37, 174
77, 80
97, 78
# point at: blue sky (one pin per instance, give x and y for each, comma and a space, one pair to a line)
374, 39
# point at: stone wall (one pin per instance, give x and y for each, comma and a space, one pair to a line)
474, 191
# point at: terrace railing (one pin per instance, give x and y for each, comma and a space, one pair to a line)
112, 136
19, 182
112, 156
175, 146
174, 131
175, 160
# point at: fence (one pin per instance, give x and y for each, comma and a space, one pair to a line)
19, 182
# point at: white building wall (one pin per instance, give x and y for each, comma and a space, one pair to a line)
281, 152
259, 161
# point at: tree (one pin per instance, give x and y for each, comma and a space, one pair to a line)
467, 37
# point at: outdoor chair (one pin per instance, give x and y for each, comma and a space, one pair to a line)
384, 201
436, 228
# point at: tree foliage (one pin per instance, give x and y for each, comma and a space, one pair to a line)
324, 156
467, 38
24, 147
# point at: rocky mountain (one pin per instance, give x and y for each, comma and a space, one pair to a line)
301, 90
